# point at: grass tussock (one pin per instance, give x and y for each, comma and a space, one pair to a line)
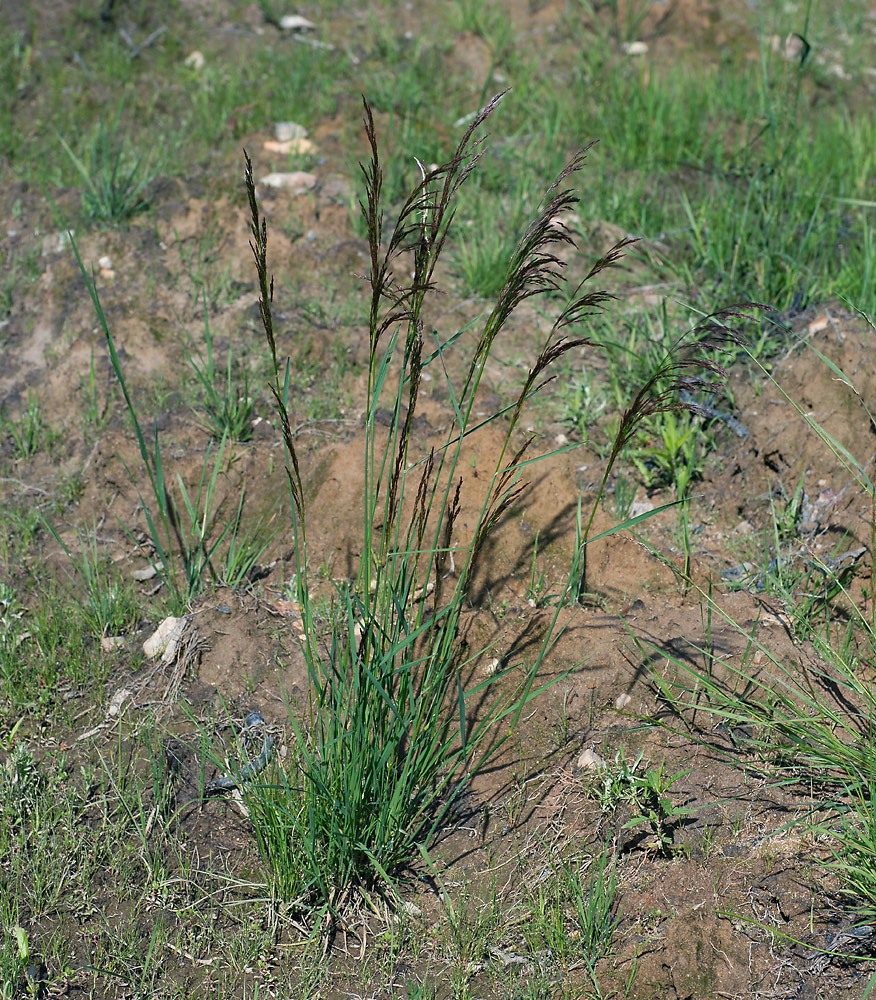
389, 739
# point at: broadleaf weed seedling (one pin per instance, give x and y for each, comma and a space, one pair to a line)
644, 792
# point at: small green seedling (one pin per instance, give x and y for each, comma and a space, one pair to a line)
644, 794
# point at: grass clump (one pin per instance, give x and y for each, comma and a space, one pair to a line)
187, 532
390, 739
226, 398
486, 246
110, 604
44, 653
573, 911
29, 433
115, 178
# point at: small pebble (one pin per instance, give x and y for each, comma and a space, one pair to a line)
295, 22
167, 634
790, 47
298, 147
623, 699
117, 700
55, 243
635, 48
296, 182
590, 760
289, 131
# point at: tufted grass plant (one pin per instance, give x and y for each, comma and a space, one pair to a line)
573, 909
115, 178
186, 528
225, 397
390, 738
805, 722
29, 433
110, 605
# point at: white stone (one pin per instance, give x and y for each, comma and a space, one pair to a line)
142, 575
117, 700
295, 22
298, 147
635, 48
105, 263
167, 633
195, 59
623, 699
55, 243
590, 760
296, 182
287, 131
